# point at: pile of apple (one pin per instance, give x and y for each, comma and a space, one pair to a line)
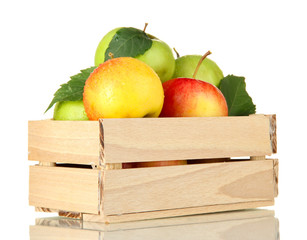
136, 75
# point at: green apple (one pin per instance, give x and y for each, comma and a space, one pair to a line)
70, 110
103, 46
159, 57
208, 70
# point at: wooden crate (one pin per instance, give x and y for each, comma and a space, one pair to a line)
249, 224
80, 171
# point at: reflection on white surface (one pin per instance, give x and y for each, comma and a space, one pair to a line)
238, 225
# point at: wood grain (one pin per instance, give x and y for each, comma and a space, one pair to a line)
276, 175
77, 215
42, 209
273, 132
68, 189
156, 139
164, 188
181, 212
150, 139
64, 141
108, 193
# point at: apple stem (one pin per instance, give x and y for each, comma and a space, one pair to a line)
146, 24
111, 55
177, 53
199, 63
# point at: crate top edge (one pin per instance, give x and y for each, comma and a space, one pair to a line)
160, 118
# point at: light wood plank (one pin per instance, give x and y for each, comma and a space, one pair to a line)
150, 139
163, 188
68, 189
276, 175
64, 141
273, 132
183, 211
156, 139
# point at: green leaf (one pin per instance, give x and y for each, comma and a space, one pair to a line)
238, 101
73, 89
128, 42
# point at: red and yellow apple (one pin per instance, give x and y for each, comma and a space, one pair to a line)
123, 87
188, 97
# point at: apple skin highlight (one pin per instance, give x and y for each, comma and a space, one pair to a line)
188, 97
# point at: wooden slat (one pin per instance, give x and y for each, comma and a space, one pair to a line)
156, 139
64, 141
175, 212
273, 134
163, 188
68, 189
186, 211
276, 173
151, 139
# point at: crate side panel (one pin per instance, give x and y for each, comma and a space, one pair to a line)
182, 211
64, 141
69, 189
156, 139
186, 186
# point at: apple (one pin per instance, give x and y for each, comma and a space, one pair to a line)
188, 97
70, 111
103, 46
208, 70
123, 87
159, 57
154, 164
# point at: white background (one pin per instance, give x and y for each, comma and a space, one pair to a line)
43, 43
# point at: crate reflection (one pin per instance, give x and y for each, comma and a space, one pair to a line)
246, 225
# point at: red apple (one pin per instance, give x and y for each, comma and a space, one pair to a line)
188, 97
154, 164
